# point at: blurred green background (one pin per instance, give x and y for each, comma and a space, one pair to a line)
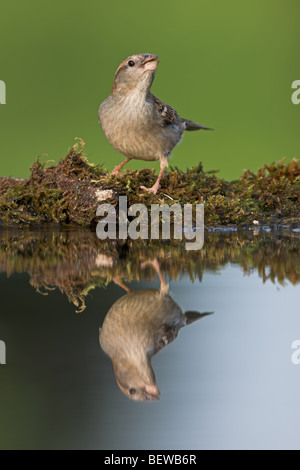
228, 65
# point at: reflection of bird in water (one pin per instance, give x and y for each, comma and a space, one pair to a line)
136, 327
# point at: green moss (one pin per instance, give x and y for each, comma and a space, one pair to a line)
65, 193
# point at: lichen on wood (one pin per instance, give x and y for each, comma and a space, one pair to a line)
70, 192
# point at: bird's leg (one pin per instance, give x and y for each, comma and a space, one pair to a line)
119, 167
156, 186
164, 287
121, 284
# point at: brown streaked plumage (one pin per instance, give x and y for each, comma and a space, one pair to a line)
135, 122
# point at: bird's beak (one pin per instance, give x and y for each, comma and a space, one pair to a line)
151, 392
149, 58
150, 62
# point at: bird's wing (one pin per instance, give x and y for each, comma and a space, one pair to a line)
168, 334
167, 113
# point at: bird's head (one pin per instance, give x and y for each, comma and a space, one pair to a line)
137, 71
136, 383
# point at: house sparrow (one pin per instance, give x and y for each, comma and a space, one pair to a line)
136, 327
135, 122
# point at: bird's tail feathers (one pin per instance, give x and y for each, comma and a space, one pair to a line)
193, 126
192, 316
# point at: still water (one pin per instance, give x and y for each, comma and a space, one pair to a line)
220, 324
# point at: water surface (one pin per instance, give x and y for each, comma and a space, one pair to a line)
226, 381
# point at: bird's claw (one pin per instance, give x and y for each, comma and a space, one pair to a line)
152, 190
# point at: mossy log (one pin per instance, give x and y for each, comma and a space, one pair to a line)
71, 191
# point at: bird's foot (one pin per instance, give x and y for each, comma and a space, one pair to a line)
152, 190
164, 287
115, 171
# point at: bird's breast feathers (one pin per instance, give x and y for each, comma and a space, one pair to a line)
134, 127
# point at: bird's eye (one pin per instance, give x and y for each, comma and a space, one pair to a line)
131, 64
132, 391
